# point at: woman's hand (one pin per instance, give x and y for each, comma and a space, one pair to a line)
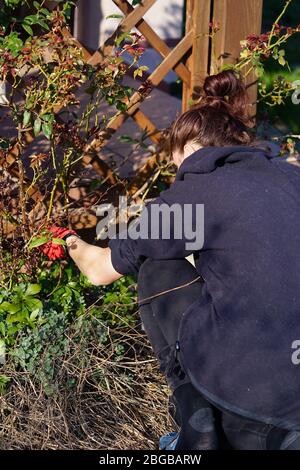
54, 250
94, 262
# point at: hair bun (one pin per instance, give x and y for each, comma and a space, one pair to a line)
224, 84
227, 91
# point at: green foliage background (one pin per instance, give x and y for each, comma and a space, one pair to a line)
287, 115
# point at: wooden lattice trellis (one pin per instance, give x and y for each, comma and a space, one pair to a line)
190, 59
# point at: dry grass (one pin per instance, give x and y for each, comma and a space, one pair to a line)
116, 403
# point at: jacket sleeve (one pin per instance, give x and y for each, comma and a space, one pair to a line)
164, 230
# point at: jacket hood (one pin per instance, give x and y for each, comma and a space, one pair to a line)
207, 159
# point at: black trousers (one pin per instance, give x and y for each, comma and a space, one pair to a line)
161, 315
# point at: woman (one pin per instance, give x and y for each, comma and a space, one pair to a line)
222, 331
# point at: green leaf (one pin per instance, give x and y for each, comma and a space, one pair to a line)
36, 5
34, 314
114, 16
43, 24
2, 328
259, 71
26, 117
126, 138
37, 126
110, 99
48, 117
13, 43
139, 72
4, 380
33, 304
281, 60
58, 241
244, 53
37, 242
28, 29
47, 130
33, 289
9, 307
12, 3
31, 19
121, 38
45, 12
121, 105
4, 143
16, 318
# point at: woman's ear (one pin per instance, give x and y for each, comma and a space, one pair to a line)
191, 147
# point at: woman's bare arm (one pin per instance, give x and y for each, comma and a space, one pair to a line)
93, 261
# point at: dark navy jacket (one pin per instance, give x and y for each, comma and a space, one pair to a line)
236, 341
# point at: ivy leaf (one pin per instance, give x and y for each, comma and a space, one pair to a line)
37, 126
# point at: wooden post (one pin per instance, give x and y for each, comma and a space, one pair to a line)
237, 19
197, 19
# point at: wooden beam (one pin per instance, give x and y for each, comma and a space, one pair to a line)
173, 58
201, 42
186, 88
146, 125
140, 118
227, 43
197, 20
125, 25
98, 165
154, 40
133, 105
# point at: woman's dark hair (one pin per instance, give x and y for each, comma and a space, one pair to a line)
220, 117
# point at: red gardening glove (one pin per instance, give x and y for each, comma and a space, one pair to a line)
53, 250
